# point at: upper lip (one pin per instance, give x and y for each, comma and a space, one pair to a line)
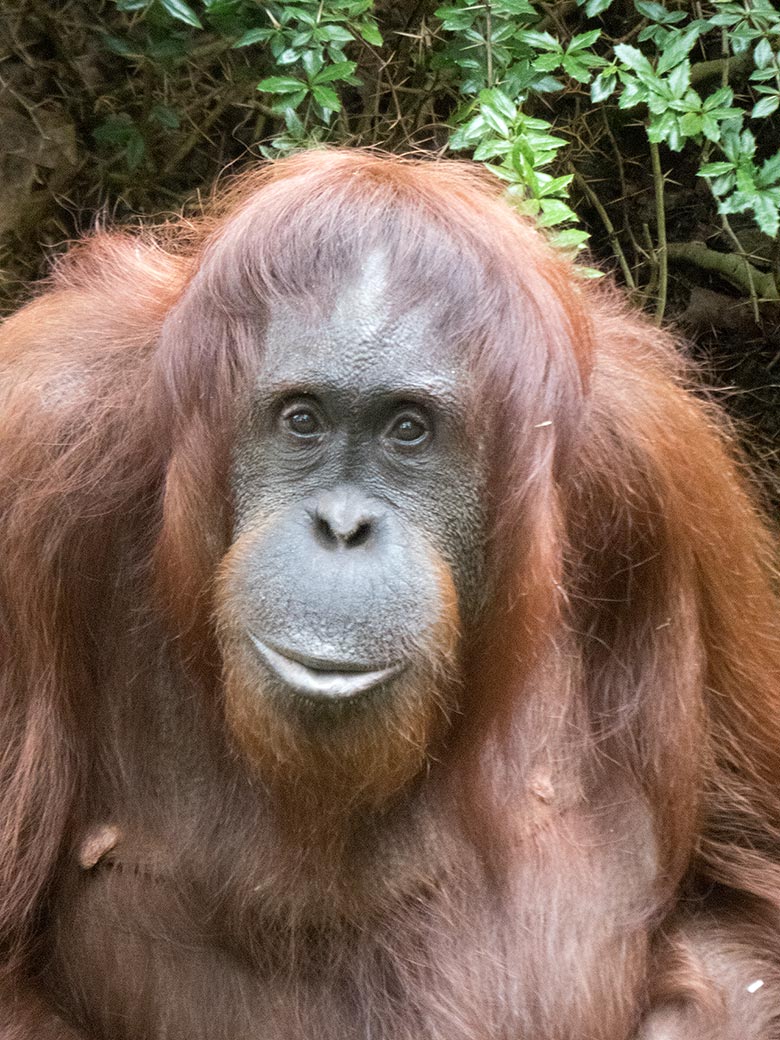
320, 677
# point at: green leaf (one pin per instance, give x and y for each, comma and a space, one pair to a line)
680, 78
165, 117
181, 12
741, 38
293, 122
337, 34
115, 129
588, 272
737, 202
326, 96
538, 140
500, 101
339, 70
659, 104
495, 119
678, 49
571, 237
288, 101
513, 8
767, 216
654, 33
542, 41
765, 107
747, 143
593, 61
634, 93
715, 169
253, 36
726, 114
555, 211
548, 62
555, 185
526, 206
721, 97
299, 14
503, 173
745, 178
675, 139
762, 55
596, 7
691, 124
633, 58
762, 75
583, 40
770, 171
545, 85
722, 185
469, 135
490, 148
277, 46
667, 129
602, 86
280, 85
726, 18
312, 63
710, 128
457, 21
135, 151
370, 33
655, 12
459, 14
117, 45
576, 69
660, 129
288, 56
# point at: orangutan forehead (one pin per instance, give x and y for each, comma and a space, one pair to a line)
366, 292
366, 334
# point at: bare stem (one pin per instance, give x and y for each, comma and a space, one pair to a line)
609, 227
660, 219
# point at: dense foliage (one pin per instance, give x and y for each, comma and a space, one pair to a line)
648, 130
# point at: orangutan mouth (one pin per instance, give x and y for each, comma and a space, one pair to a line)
322, 678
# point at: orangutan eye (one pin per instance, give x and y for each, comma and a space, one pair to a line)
301, 421
409, 430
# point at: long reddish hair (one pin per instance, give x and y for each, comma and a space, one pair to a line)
632, 624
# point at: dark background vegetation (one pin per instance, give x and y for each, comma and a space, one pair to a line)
645, 134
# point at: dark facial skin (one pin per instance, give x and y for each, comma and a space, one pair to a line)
358, 495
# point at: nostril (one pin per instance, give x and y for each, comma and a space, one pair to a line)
324, 530
359, 536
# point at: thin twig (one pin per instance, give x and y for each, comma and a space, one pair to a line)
652, 259
614, 241
660, 218
748, 266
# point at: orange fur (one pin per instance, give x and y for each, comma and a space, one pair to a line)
605, 773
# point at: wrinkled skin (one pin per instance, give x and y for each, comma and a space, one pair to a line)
356, 483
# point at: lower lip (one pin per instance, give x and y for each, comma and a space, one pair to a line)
321, 683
